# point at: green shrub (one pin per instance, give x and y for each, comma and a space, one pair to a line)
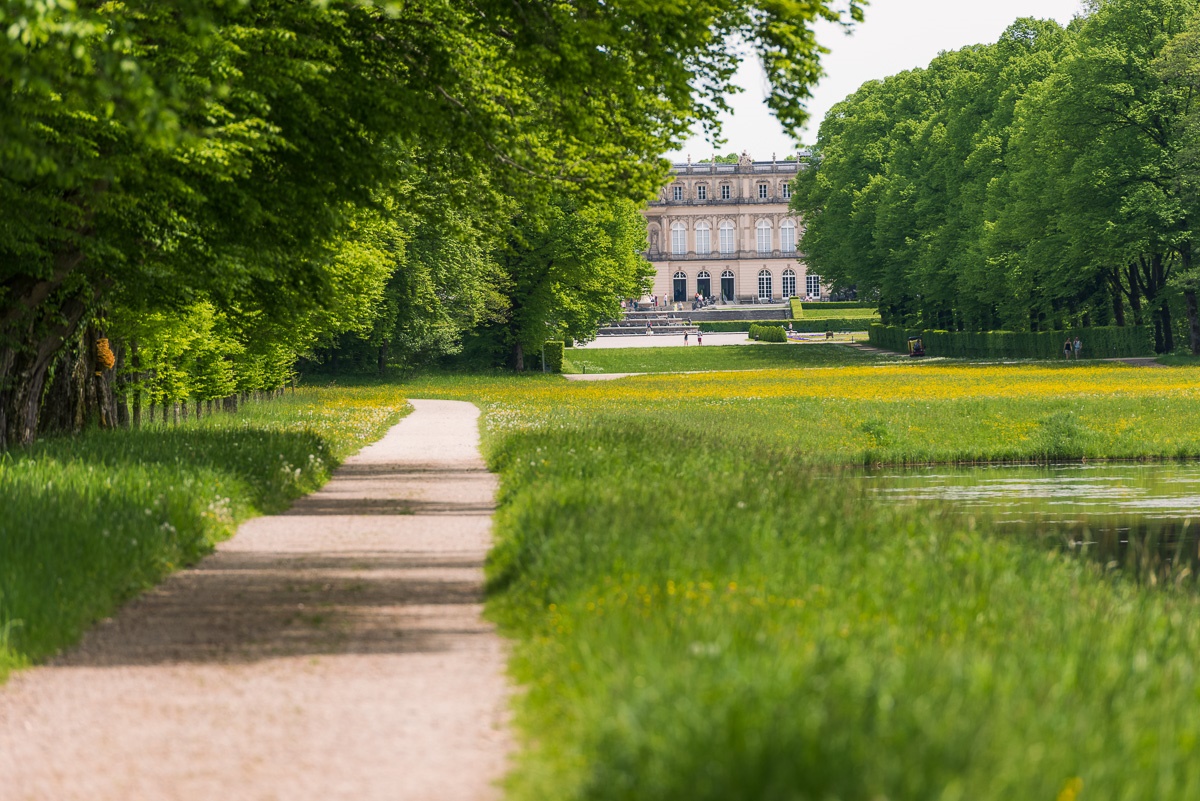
1098, 343
768, 333
552, 356
797, 308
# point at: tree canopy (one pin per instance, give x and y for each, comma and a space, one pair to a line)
267, 161
1041, 181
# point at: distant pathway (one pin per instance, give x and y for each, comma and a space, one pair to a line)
332, 652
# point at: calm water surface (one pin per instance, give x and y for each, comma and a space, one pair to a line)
1144, 516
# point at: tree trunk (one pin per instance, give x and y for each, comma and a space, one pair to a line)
519, 358
135, 363
1193, 318
1135, 295
121, 386
1117, 301
1168, 337
23, 370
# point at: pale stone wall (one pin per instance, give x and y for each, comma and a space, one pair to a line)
744, 209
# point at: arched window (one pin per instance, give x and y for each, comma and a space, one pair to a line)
679, 287
678, 238
764, 236
787, 236
764, 285
727, 286
789, 284
812, 284
726, 231
703, 239
704, 284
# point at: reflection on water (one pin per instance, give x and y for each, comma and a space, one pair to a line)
1144, 517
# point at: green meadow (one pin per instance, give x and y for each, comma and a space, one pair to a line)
705, 600
713, 357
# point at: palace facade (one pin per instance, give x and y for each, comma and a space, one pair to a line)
724, 231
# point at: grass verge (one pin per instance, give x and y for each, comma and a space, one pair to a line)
91, 521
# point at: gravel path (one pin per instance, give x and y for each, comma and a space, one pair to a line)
332, 652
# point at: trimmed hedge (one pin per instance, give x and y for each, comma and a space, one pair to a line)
839, 304
1098, 343
802, 326
552, 353
797, 308
768, 333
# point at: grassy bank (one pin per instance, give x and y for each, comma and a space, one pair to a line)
712, 357
702, 613
91, 521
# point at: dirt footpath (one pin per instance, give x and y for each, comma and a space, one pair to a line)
332, 652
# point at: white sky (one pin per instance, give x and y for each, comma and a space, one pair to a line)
898, 35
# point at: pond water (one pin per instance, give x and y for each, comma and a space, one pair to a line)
1144, 517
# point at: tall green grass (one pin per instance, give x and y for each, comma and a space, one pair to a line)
706, 606
90, 521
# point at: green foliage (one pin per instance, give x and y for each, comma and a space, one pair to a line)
767, 333
92, 520
1098, 343
797, 307
552, 355
1040, 182
836, 305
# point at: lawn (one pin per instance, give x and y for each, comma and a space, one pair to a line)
841, 314
714, 357
698, 615
90, 521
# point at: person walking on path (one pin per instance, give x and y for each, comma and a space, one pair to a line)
685, 338
1078, 346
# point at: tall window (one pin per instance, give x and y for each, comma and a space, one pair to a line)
762, 191
703, 239
812, 285
704, 284
678, 238
677, 192
764, 236
725, 191
787, 236
789, 284
764, 285
679, 287
787, 190
702, 192
727, 286
726, 232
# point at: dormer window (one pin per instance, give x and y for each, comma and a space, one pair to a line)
677, 193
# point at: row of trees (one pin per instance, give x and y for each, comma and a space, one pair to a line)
1047, 180
222, 187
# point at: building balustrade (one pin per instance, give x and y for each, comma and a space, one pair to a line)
654, 255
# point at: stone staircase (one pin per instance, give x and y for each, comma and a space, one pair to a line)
678, 322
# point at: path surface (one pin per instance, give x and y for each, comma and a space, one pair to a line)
332, 652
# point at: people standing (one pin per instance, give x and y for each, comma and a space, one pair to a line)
1078, 346
685, 338
1067, 348
699, 337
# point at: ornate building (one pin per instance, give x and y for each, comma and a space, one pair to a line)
724, 230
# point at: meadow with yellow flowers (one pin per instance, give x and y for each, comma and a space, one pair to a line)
707, 605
